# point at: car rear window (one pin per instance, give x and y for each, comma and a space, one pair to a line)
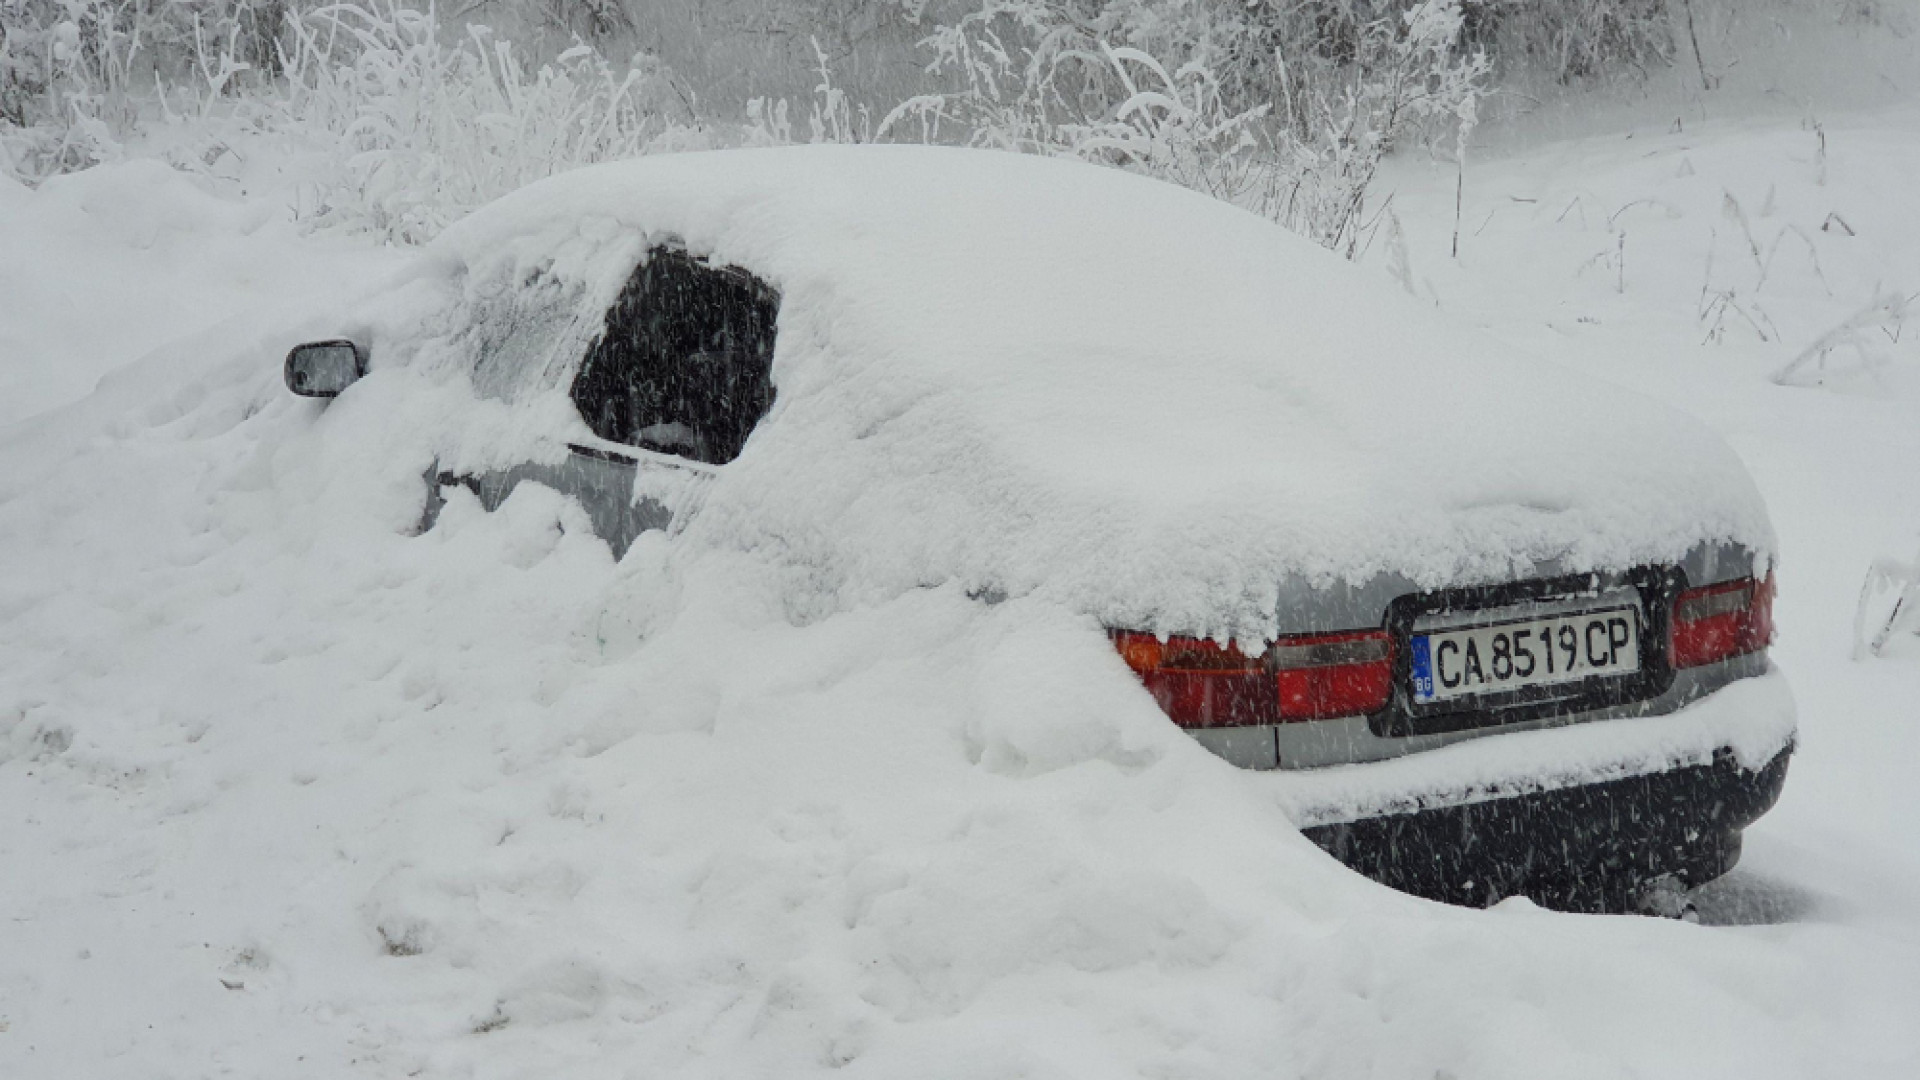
684, 364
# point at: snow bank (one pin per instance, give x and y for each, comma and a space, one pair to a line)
1040, 378
101, 265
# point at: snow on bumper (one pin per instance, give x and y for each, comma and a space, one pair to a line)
1753, 719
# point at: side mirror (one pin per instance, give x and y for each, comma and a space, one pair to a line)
324, 368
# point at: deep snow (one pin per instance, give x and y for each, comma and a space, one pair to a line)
102, 266
296, 794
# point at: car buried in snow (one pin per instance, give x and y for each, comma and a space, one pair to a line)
1493, 627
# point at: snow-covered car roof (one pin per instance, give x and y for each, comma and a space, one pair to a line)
1042, 377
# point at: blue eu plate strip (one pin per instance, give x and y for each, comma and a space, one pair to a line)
1422, 670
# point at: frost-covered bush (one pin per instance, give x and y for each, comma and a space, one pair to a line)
1286, 107
1888, 616
1575, 39
1564, 39
76, 75
427, 128
67, 69
1203, 96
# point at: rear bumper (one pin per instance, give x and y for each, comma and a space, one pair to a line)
1581, 848
1577, 817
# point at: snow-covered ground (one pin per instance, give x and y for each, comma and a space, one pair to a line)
291, 794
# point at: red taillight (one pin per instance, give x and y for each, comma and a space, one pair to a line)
1327, 675
1717, 622
1200, 683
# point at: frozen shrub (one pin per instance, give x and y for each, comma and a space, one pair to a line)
1201, 101
1579, 39
1888, 614
66, 74
426, 129
75, 75
1286, 107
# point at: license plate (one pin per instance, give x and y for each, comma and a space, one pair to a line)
1515, 655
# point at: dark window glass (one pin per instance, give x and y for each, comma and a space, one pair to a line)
684, 364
